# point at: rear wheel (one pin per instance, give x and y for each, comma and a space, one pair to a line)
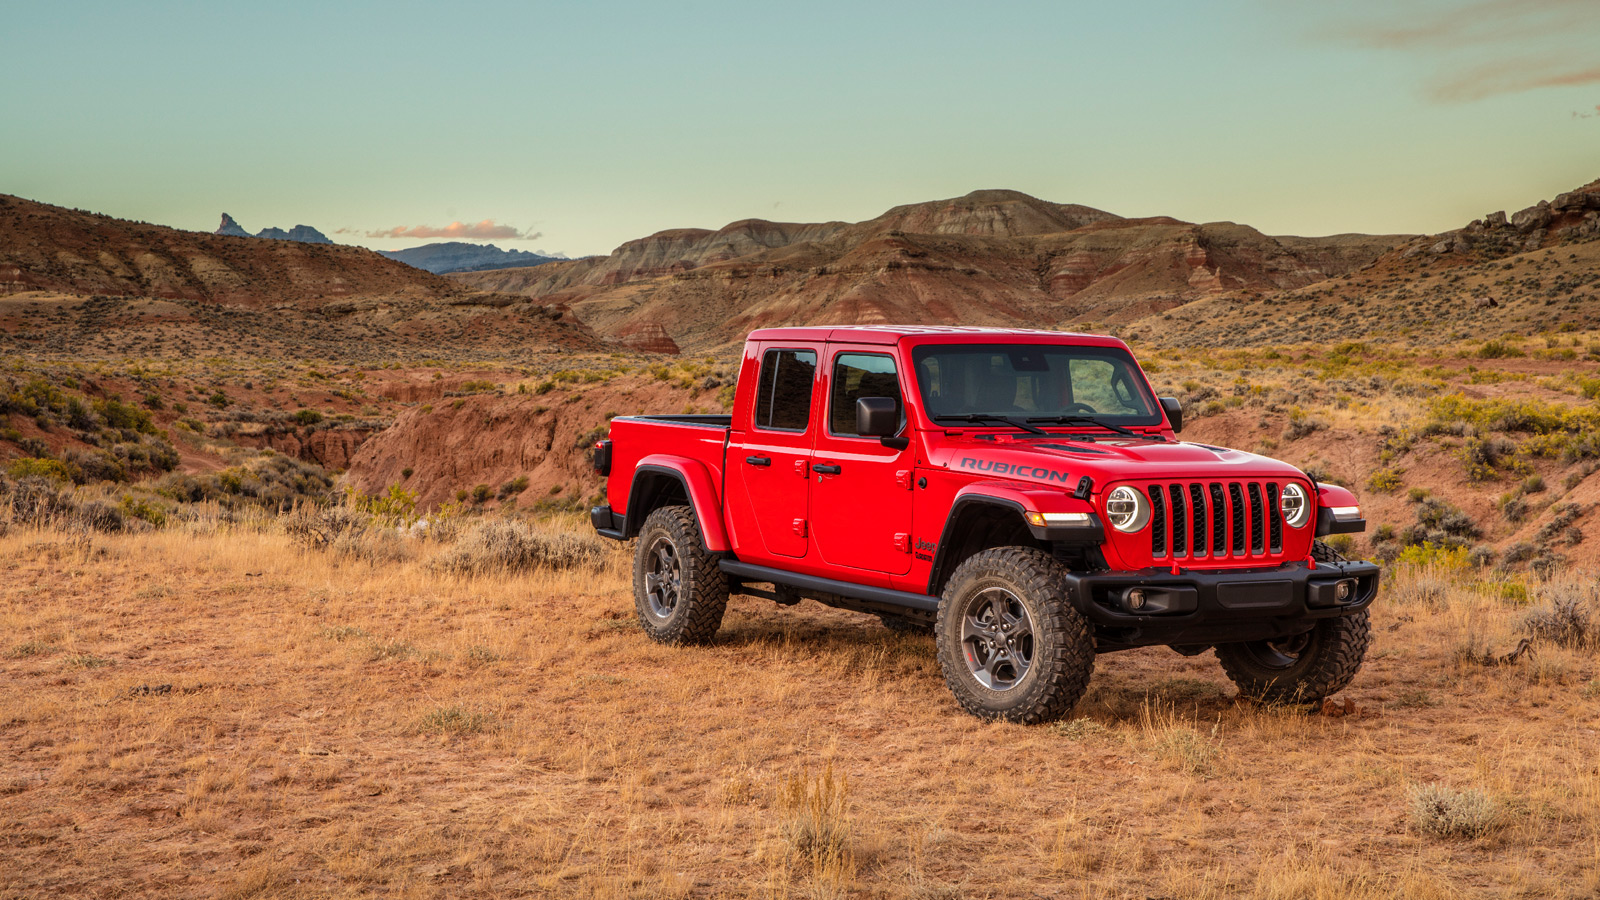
1301, 668
1010, 643
678, 591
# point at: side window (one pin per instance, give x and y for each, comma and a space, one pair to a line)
783, 393
857, 375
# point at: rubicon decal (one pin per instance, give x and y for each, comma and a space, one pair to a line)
1020, 471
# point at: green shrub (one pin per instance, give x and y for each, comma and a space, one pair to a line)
144, 509
1385, 481
1499, 350
308, 417
34, 467
481, 493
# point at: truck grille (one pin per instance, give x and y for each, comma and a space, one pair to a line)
1215, 520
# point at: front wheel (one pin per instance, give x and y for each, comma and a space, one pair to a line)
1010, 643
1301, 668
678, 591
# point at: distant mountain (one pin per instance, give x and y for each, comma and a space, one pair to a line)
49, 248
305, 234
459, 256
992, 257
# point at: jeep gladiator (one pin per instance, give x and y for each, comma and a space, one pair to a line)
1021, 493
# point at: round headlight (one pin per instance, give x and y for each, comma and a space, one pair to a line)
1294, 504
1128, 510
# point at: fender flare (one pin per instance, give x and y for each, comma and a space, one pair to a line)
698, 486
1331, 497
1020, 499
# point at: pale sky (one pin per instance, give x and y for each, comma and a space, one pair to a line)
578, 126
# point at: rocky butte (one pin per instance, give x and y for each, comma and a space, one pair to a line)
304, 234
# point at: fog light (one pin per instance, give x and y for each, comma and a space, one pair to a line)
1135, 598
1344, 590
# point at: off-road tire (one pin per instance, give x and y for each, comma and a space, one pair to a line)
1324, 662
701, 594
1062, 646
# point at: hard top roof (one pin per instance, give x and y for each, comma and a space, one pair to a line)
891, 334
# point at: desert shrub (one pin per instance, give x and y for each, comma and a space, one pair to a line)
481, 493
125, 415
322, 528
1385, 481
37, 467
94, 464
98, 515
1444, 812
144, 509
1530, 416
815, 822
395, 507
512, 488
1431, 555
1568, 620
1343, 544
506, 545
307, 417
1499, 350
1301, 424
1514, 508
453, 721
1422, 589
1439, 524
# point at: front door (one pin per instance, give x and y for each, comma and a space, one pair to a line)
860, 489
769, 463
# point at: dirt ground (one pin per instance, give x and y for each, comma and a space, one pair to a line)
215, 712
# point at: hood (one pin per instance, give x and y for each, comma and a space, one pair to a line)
1057, 459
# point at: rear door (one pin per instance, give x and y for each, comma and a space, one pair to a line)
768, 464
860, 489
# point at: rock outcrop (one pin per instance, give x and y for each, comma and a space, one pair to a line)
304, 234
231, 228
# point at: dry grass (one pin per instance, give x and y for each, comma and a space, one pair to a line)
265, 720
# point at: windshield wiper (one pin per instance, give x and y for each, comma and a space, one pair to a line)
1091, 420
976, 418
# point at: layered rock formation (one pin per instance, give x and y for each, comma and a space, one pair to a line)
991, 257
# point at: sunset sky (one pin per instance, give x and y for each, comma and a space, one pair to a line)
573, 127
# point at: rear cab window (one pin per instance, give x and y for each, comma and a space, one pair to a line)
783, 392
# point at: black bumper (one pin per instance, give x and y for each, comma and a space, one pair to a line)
607, 523
1220, 607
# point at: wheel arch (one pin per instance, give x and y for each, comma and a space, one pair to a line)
978, 522
667, 481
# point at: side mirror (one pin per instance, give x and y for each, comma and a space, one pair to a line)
877, 416
1174, 411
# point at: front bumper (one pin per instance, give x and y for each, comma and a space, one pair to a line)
1198, 607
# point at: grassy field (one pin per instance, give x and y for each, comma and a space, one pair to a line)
216, 709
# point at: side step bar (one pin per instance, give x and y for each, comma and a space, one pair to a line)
867, 597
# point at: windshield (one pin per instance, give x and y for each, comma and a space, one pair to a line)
1033, 381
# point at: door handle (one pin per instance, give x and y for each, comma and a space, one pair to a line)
822, 469
758, 460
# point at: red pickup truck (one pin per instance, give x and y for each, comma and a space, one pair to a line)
1022, 493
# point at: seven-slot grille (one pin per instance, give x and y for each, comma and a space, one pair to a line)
1203, 520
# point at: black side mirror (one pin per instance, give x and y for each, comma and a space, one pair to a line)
1174, 411
877, 416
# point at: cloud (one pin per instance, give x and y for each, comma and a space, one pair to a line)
1453, 25
1483, 48
477, 231
1511, 77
